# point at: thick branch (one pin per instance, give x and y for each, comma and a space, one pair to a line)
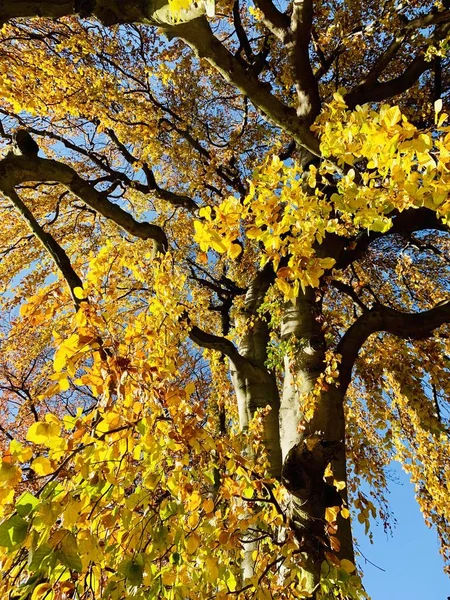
414, 326
152, 12
276, 21
198, 35
409, 26
11, 9
258, 288
19, 169
297, 45
371, 90
404, 223
387, 89
56, 252
216, 342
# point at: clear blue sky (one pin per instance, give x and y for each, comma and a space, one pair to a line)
413, 568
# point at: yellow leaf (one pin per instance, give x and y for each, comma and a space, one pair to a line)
234, 250
42, 466
231, 581
19, 451
194, 501
64, 384
345, 513
190, 389
331, 513
169, 577
42, 433
192, 543
193, 520
60, 359
392, 116
72, 512
213, 571
10, 474
79, 293
41, 591
208, 505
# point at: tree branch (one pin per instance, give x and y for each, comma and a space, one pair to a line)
152, 12
371, 90
275, 21
404, 223
19, 169
12, 9
170, 197
414, 326
215, 342
198, 35
297, 45
378, 92
240, 32
349, 291
48, 242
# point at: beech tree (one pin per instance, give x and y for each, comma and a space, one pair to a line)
224, 291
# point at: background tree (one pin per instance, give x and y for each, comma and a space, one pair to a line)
224, 295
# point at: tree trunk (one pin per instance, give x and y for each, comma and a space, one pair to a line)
299, 450
256, 386
308, 446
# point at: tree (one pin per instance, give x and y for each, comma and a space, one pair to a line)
224, 292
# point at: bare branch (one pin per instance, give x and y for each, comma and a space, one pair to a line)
240, 32
162, 194
349, 291
199, 37
406, 222
297, 45
275, 21
48, 242
19, 169
414, 326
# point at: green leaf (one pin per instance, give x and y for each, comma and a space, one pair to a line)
37, 557
68, 553
26, 503
135, 575
132, 571
13, 532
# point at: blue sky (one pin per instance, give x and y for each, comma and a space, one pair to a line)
413, 568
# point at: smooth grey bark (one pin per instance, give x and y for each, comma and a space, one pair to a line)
256, 386
308, 446
110, 12
302, 366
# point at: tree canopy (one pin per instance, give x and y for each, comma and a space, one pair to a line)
224, 292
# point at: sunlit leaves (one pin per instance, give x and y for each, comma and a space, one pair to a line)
125, 482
